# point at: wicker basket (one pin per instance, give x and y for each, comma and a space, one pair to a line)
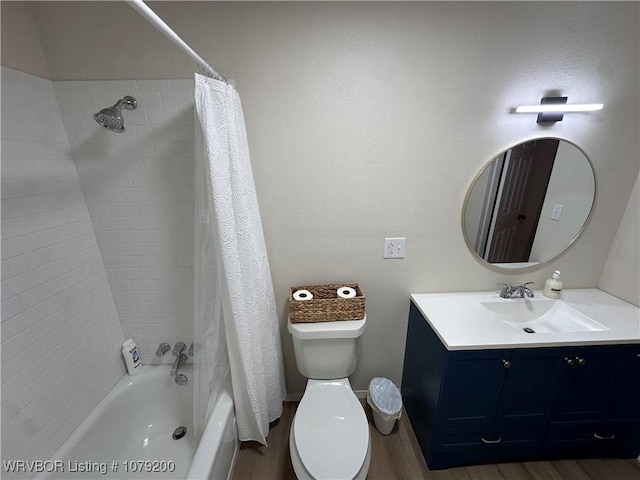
326, 306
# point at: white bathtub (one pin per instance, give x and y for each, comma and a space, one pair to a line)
129, 434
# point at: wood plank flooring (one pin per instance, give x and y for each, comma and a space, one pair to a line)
398, 456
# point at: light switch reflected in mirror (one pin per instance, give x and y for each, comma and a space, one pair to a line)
529, 204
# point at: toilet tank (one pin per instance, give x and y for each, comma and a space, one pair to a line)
326, 350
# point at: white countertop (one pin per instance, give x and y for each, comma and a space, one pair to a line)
462, 326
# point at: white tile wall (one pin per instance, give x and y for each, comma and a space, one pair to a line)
60, 332
139, 189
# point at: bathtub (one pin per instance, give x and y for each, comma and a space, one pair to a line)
130, 434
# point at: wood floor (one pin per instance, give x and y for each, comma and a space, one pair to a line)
398, 456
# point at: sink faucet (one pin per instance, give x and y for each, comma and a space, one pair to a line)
516, 291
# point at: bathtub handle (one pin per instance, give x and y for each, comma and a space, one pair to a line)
179, 348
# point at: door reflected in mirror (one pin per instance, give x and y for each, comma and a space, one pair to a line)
529, 203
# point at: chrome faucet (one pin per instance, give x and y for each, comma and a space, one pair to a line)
162, 349
516, 291
179, 348
179, 361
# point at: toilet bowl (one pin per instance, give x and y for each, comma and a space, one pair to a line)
329, 437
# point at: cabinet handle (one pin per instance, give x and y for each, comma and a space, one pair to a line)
599, 437
569, 361
581, 361
506, 363
492, 442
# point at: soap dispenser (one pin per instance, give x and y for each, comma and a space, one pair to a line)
553, 286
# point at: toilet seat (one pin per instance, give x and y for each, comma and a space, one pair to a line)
330, 431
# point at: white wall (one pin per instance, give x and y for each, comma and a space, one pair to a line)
571, 185
368, 120
22, 48
371, 120
139, 189
60, 332
621, 273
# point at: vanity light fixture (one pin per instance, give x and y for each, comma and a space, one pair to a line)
552, 109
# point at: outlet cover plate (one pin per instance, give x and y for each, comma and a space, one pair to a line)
394, 247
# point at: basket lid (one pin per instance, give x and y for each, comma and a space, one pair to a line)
335, 329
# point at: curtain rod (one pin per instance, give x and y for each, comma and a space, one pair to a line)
166, 30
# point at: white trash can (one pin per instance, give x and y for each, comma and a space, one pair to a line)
386, 403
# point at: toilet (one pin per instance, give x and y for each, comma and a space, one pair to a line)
329, 436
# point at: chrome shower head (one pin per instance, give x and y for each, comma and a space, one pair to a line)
111, 117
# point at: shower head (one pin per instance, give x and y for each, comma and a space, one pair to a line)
111, 117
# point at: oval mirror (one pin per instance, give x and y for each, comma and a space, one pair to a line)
528, 204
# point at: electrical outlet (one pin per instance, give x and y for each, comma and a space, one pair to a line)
394, 247
556, 212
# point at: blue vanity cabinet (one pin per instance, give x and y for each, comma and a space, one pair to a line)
479, 406
530, 389
624, 404
474, 406
588, 383
509, 388
625, 394
598, 408
473, 398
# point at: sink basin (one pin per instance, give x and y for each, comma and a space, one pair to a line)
540, 316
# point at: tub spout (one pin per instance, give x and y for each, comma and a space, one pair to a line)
162, 349
179, 361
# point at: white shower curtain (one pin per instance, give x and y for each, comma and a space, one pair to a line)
247, 300
211, 360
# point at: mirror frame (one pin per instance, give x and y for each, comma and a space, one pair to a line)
529, 268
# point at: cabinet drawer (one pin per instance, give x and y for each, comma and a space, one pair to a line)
601, 438
487, 439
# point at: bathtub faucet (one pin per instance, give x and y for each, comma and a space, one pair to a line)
179, 361
162, 349
179, 348
180, 357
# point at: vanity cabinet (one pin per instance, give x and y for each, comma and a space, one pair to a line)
587, 383
624, 401
598, 408
507, 387
474, 406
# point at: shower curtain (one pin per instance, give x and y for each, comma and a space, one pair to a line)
245, 310
211, 360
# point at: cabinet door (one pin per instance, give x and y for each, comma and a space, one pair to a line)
531, 386
471, 387
625, 394
587, 384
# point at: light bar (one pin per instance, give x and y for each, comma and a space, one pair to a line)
577, 107
552, 109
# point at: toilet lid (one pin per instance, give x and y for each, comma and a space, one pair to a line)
331, 430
